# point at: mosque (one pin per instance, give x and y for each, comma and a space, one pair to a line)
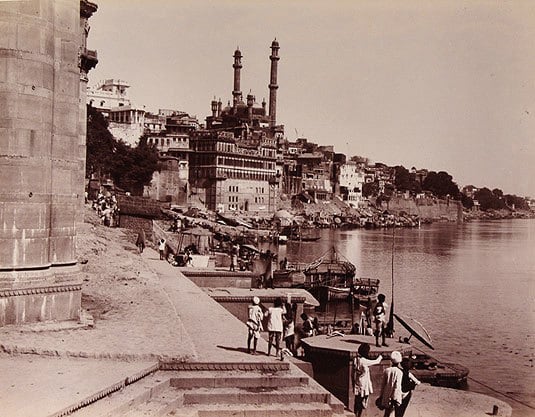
233, 160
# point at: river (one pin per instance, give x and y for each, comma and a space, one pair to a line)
471, 285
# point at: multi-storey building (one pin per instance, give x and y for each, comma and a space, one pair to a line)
233, 160
108, 94
351, 179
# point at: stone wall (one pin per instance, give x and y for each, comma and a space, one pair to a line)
40, 159
426, 208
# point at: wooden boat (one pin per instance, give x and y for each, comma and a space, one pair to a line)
444, 374
327, 278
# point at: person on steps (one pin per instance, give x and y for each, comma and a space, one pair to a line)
254, 324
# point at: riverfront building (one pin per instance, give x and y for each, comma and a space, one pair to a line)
233, 160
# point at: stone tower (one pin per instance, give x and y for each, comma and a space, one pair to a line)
42, 156
236, 92
274, 57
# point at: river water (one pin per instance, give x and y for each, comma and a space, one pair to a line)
471, 285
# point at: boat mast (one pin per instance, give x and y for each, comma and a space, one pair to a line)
390, 325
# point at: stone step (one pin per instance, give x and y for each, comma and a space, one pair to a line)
267, 366
255, 395
263, 410
213, 380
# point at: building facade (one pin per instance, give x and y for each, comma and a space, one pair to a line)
233, 164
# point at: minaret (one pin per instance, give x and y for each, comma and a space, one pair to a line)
214, 107
236, 93
273, 83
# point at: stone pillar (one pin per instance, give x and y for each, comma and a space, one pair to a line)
40, 160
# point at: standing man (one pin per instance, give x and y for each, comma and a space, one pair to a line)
140, 242
408, 383
275, 326
390, 397
379, 319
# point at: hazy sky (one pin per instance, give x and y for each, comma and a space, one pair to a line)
443, 85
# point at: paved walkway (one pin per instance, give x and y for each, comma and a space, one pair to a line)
215, 334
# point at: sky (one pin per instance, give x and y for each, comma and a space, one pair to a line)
441, 85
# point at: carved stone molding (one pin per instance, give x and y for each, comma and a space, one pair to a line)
39, 290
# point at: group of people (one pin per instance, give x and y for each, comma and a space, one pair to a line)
372, 319
280, 326
106, 208
397, 383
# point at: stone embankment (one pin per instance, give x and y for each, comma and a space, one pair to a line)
159, 345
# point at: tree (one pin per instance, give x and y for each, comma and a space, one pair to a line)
101, 145
488, 200
497, 192
370, 189
402, 178
135, 169
441, 184
467, 201
129, 168
515, 202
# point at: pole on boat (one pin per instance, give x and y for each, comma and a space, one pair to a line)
390, 325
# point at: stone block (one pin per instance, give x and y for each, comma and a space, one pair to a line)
67, 17
20, 309
8, 104
24, 252
62, 249
66, 118
31, 73
29, 37
8, 34
32, 107
69, 84
31, 8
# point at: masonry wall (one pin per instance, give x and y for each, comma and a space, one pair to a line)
39, 158
426, 208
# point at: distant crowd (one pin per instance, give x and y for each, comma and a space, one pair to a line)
106, 208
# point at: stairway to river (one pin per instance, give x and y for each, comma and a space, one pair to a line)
249, 389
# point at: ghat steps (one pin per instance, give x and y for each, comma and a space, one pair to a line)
212, 390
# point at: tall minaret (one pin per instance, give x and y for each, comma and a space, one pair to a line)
273, 83
236, 93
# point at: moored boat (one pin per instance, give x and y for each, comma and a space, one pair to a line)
327, 278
